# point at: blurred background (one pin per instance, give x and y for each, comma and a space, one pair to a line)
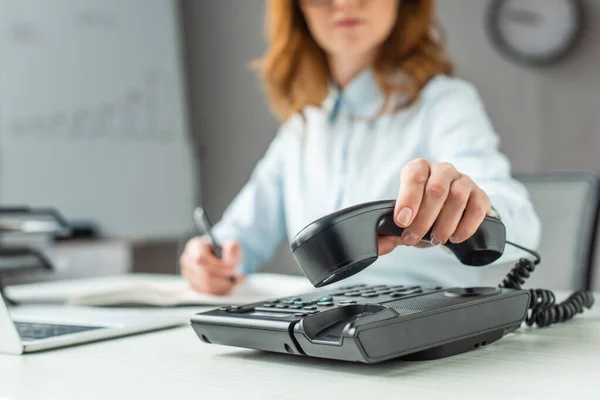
126, 114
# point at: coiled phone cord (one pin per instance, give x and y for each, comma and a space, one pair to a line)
543, 310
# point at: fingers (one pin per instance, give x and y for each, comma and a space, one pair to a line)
452, 211
204, 280
385, 244
413, 179
436, 198
477, 208
232, 253
201, 280
207, 273
216, 269
437, 188
207, 260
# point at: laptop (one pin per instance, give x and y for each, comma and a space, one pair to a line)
32, 328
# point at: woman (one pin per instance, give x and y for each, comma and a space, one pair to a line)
370, 111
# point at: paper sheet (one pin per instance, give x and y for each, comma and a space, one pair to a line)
156, 289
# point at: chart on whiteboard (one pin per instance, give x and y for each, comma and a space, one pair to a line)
83, 76
133, 115
92, 113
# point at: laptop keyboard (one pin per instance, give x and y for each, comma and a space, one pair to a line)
34, 331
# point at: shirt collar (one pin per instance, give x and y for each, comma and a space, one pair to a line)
361, 98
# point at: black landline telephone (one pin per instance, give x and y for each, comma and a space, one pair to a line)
379, 322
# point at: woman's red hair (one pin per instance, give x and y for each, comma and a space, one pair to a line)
294, 68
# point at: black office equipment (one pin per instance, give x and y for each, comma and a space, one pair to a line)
23, 221
379, 322
369, 323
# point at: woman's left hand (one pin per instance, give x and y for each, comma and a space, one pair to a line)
436, 195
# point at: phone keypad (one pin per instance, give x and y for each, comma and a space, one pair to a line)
356, 294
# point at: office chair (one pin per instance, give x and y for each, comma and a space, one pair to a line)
567, 204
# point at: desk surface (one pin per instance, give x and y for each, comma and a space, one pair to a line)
562, 361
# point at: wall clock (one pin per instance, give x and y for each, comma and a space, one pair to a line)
535, 32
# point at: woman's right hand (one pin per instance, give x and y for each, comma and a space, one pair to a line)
207, 273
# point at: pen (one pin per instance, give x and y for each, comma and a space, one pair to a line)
205, 226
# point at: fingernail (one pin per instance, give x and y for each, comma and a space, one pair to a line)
435, 241
410, 239
453, 239
404, 216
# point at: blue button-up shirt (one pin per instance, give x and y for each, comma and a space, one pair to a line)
345, 152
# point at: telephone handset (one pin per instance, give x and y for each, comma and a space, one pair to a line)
344, 243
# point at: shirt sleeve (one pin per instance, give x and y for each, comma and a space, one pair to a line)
461, 133
255, 217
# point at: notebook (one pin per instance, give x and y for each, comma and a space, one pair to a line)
154, 290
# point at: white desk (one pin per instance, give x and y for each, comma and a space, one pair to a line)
560, 362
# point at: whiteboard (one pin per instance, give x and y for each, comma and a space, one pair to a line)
92, 114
